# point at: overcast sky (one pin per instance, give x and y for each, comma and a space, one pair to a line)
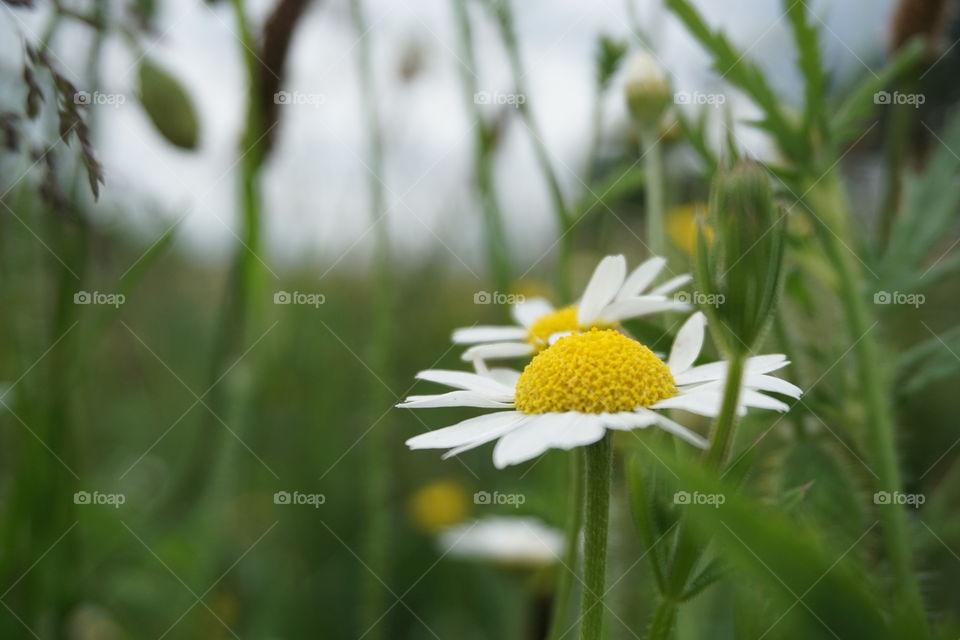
315, 183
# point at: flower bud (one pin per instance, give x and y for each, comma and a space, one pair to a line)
740, 268
647, 90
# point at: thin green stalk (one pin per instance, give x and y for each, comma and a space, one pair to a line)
564, 217
828, 201
375, 445
237, 312
598, 471
655, 194
724, 427
484, 146
664, 620
571, 555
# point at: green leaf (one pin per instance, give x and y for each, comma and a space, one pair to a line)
930, 210
787, 561
710, 574
861, 101
168, 106
733, 66
834, 504
928, 362
810, 64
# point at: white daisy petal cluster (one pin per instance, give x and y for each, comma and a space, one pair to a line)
523, 433
503, 540
610, 297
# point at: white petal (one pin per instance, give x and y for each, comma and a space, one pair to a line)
750, 398
627, 420
703, 403
572, 429
458, 399
718, 370
766, 363
671, 285
637, 307
529, 311
480, 428
472, 335
771, 383
687, 345
678, 430
497, 350
603, 286
702, 373
466, 380
641, 278
507, 377
524, 443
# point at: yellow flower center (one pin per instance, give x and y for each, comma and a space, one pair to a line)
601, 371
559, 321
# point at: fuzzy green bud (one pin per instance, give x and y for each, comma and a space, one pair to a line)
740, 269
647, 90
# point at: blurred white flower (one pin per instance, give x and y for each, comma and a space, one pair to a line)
504, 540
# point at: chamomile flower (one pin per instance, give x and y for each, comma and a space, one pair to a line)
511, 541
610, 296
585, 383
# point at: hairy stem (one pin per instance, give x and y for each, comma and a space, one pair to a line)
598, 470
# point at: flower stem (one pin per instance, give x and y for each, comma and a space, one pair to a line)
724, 427
655, 193
561, 603
598, 470
830, 204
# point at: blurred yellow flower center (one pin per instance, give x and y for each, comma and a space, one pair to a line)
559, 321
437, 506
601, 371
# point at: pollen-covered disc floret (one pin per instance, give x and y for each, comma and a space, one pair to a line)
560, 321
600, 371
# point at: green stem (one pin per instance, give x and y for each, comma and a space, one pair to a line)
725, 424
561, 603
560, 209
484, 146
655, 194
375, 445
663, 621
598, 470
829, 202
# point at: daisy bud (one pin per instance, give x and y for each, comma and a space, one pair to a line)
647, 91
739, 271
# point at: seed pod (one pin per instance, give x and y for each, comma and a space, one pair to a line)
168, 106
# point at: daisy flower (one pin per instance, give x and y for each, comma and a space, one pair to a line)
514, 541
585, 383
610, 297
